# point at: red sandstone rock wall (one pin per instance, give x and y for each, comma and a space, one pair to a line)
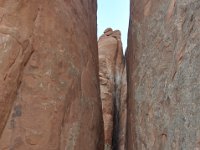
49, 91
111, 66
163, 62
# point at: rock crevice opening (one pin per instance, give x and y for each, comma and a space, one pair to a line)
113, 88
49, 77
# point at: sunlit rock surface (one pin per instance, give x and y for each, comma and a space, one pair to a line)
49, 91
50, 96
111, 67
163, 62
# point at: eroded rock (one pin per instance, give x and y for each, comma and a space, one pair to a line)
111, 66
49, 91
163, 75
123, 113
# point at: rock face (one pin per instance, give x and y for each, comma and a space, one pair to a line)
122, 113
111, 66
50, 96
163, 62
49, 91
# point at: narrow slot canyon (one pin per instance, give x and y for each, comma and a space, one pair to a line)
113, 89
69, 83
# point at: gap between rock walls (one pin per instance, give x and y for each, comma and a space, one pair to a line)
50, 69
113, 87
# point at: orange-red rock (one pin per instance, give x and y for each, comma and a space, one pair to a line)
163, 62
111, 66
49, 91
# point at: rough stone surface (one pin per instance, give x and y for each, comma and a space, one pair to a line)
49, 91
163, 62
111, 66
123, 112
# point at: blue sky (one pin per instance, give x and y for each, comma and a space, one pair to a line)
114, 14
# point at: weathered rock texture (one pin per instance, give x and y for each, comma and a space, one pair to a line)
122, 113
111, 66
164, 75
49, 91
